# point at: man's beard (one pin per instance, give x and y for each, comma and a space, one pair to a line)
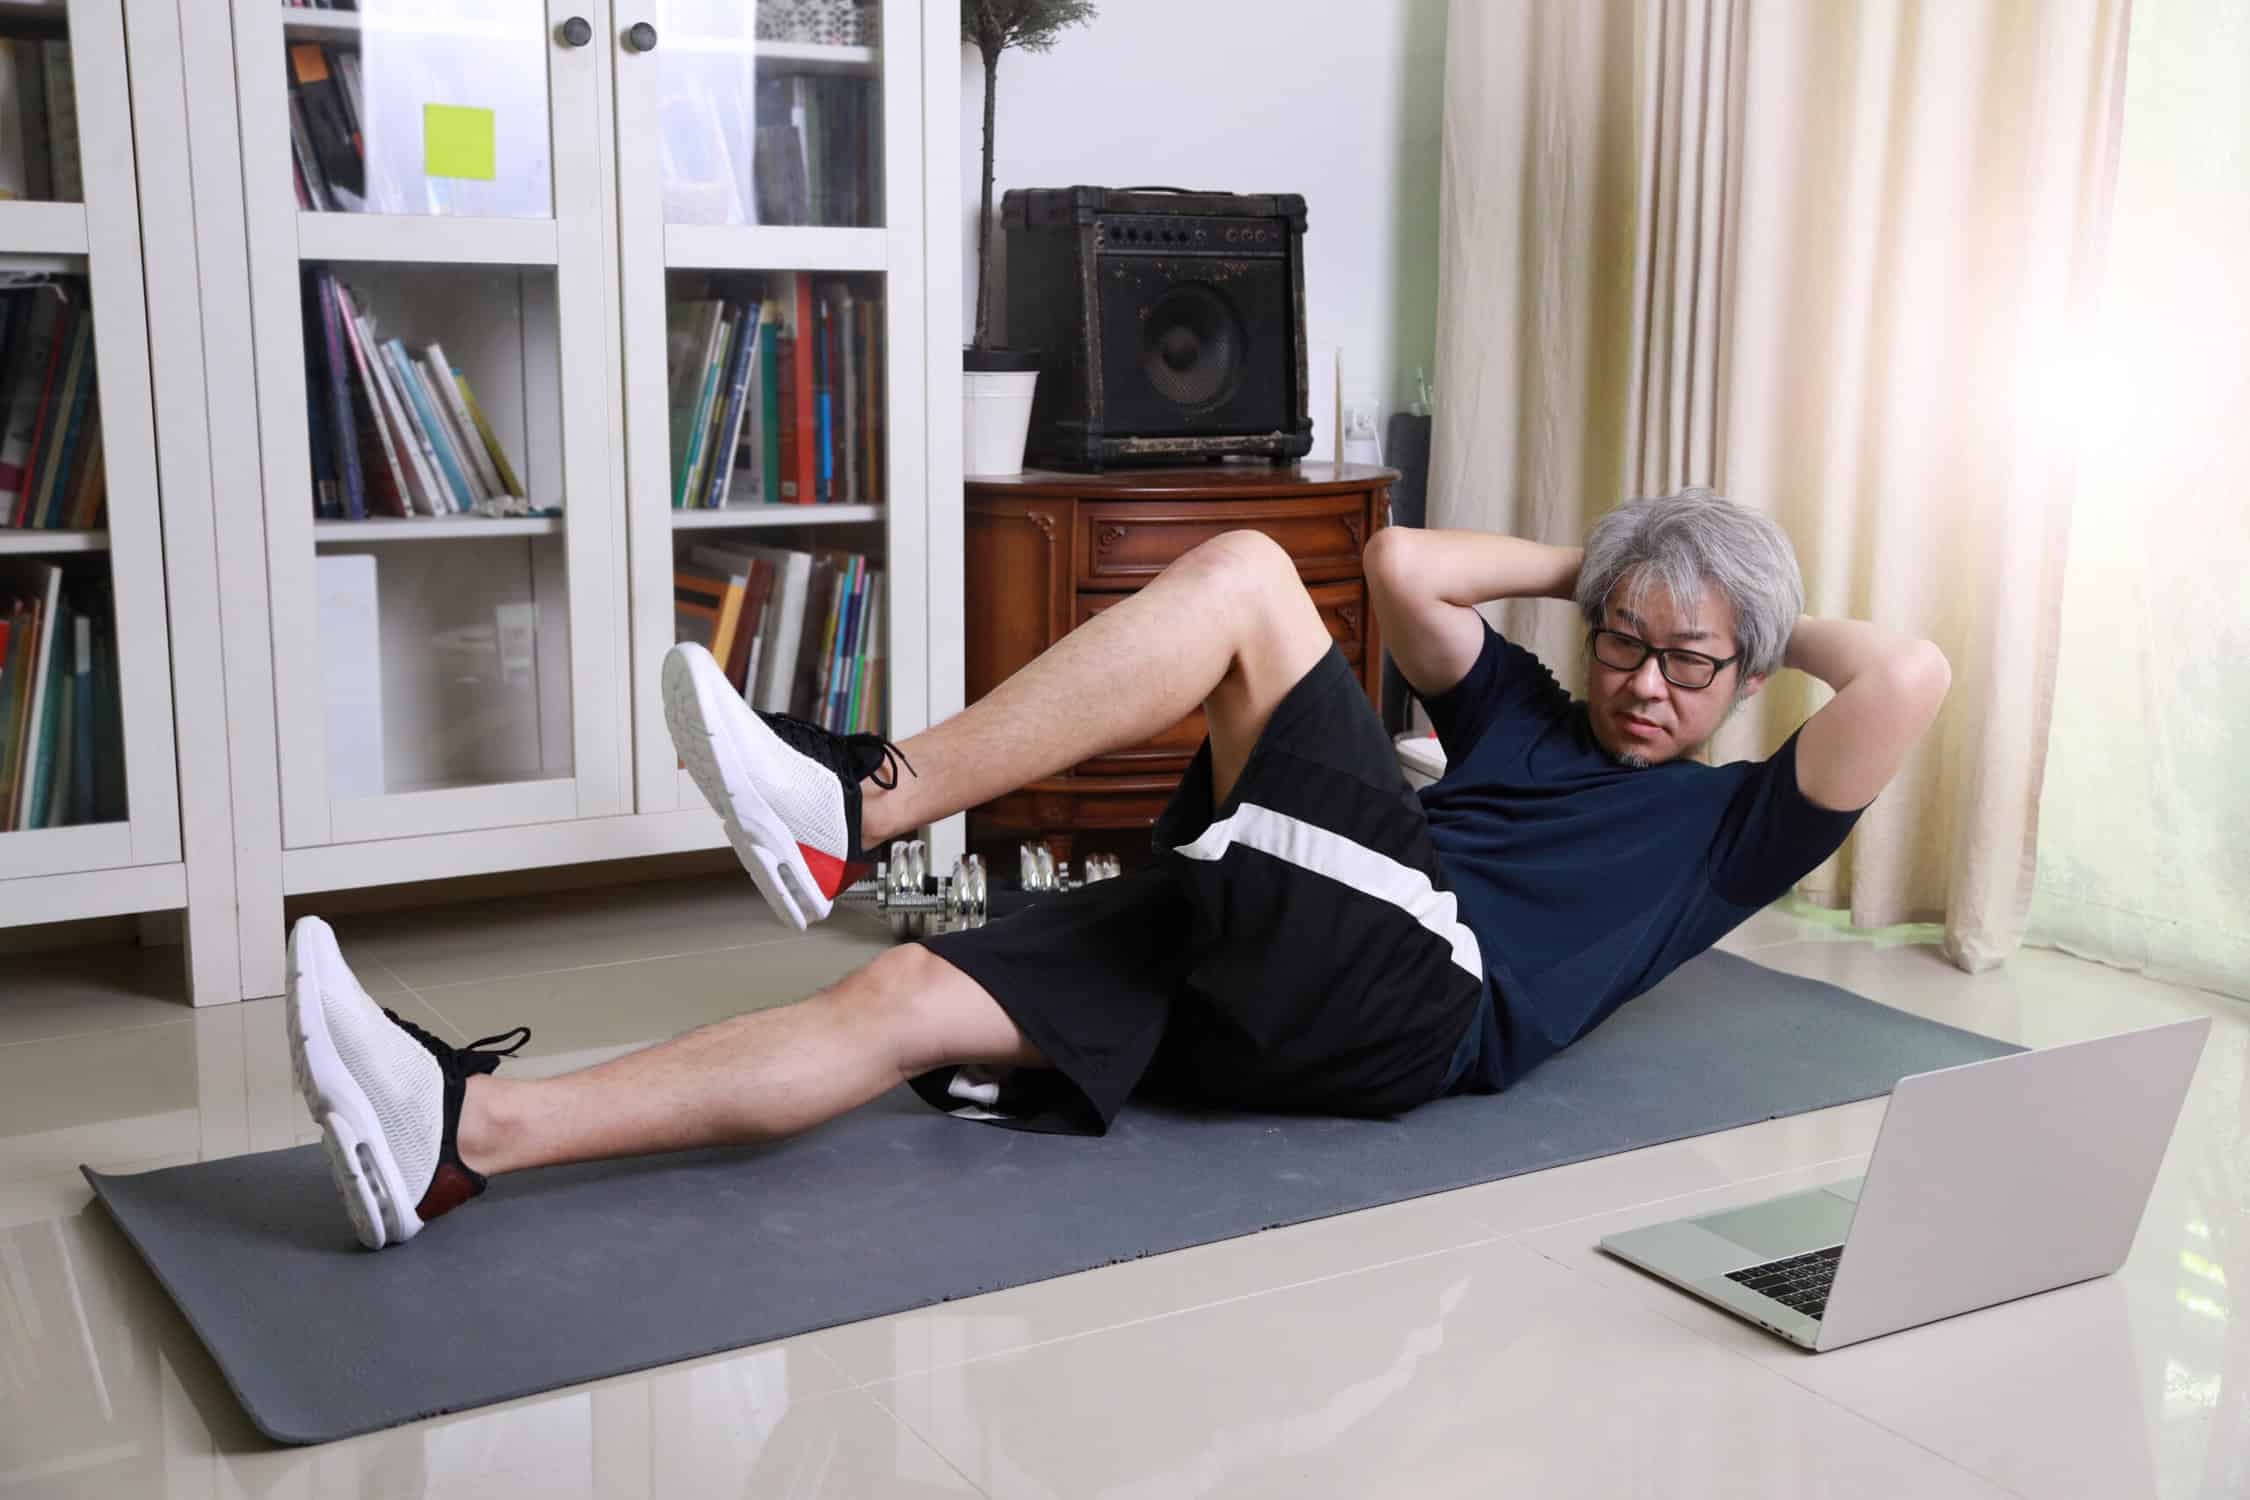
1633, 760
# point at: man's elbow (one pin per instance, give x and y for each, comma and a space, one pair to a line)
1924, 676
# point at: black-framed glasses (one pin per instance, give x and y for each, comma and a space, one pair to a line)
1681, 668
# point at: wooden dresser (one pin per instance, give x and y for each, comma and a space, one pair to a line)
1047, 551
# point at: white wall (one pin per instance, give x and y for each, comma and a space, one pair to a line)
1339, 100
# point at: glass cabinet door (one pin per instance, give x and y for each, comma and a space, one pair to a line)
761, 324
422, 181
87, 778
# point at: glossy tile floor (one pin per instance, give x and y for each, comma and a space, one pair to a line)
1470, 1343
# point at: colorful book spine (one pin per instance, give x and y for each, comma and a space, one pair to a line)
490, 439
68, 416
769, 402
445, 381
343, 433
730, 422
418, 401
808, 463
699, 415
38, 429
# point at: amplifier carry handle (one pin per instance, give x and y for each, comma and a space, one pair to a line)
1183, 192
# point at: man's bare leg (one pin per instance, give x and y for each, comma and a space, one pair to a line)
753, 1077
1228, 626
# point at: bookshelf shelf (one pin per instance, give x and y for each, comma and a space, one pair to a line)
346, 27
42, 228
426, 528
428, 238
801, 57
304, 24
721, 247
744, 517
51, 543
53, 11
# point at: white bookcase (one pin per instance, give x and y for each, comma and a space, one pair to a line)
520, 723
163, 852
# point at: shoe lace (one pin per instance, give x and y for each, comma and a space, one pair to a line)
854, 756
480, 1056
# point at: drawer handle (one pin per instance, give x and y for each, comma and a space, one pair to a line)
1108, 537
1352, 529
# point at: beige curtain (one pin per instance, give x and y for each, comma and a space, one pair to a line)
2144, 828
1828, 259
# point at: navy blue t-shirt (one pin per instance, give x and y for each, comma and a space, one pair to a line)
1585, 880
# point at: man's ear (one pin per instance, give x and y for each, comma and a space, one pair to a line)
1749, 688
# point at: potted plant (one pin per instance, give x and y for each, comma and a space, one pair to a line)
997, 384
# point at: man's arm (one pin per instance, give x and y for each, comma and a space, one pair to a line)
1425, 586
1888, 689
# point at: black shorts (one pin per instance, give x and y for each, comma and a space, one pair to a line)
1293, 949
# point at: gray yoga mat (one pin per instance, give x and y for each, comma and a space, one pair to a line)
573, 1273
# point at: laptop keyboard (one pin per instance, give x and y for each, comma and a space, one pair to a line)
1801, 1282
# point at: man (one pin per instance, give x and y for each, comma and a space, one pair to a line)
1313, 936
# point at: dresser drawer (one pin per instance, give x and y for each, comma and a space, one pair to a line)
1343, 609
1123, 544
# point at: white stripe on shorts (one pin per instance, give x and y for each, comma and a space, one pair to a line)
1325, 852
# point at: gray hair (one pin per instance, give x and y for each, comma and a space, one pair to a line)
1678, 543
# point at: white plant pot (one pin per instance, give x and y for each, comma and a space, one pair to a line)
996, 418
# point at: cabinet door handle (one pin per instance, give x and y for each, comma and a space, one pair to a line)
576, 32
641, 37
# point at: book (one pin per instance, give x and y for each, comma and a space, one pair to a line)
31, 120
397, 464
30, 356
343, 432
823, 365
11, 690
418, 458
405, 372
686, 335
444, 379
15, 173
819, 638
757, 595
697, 599
491, 440
109, 727
62, 123
722, 464
807, 334
82, 719
848, 313
79, 507
769, 404
320, 101
45, 582
47, 726
437, 381
699, 414
847, 609
39, 419
65, 416
783, 625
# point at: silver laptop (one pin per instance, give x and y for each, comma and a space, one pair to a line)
1988, 1182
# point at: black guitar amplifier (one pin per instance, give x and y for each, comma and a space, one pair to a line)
1170, 325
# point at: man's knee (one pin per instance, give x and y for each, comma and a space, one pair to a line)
924, 1013
1249, 562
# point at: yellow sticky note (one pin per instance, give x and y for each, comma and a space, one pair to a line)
457, 141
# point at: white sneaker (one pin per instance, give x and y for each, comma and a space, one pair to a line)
787, 790
385, 1093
